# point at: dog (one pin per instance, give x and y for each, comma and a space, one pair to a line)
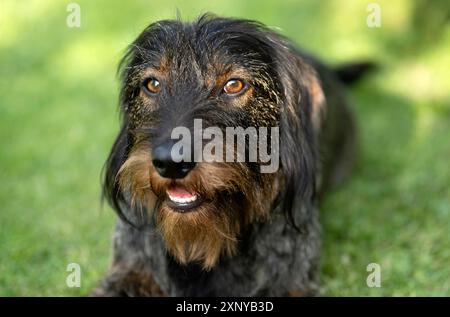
219, 228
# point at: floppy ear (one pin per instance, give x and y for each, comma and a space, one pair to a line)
302, 103
122, 145
111, 190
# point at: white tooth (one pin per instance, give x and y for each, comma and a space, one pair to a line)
183, 200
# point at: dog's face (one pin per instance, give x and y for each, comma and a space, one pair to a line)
228, 73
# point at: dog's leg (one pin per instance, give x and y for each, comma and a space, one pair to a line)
129, 282
129, 274
299, 293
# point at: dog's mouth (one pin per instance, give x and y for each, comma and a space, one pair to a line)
182, 200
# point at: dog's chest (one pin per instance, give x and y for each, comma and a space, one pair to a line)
271, 262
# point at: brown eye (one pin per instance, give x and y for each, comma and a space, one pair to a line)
233, 86
152, 86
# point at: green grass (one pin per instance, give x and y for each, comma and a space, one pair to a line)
58, 97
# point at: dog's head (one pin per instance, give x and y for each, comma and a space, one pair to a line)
227, 73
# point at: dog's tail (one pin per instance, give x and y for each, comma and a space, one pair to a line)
351, 73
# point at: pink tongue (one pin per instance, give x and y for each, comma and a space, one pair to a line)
179, 192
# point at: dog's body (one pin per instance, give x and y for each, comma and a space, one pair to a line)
253, 234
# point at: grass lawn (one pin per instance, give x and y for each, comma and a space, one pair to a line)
58, 119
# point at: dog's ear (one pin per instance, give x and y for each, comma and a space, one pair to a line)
111, 190
302, 100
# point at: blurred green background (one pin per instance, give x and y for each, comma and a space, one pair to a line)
58, 119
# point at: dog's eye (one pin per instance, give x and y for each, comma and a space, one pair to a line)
152, 86
233, 87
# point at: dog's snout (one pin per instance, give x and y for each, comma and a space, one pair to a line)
166, 166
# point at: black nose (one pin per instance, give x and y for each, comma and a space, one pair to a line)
164, 164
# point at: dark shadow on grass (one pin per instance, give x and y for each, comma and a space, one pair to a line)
395, 206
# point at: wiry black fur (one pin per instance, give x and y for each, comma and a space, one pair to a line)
274, 258
297, 156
